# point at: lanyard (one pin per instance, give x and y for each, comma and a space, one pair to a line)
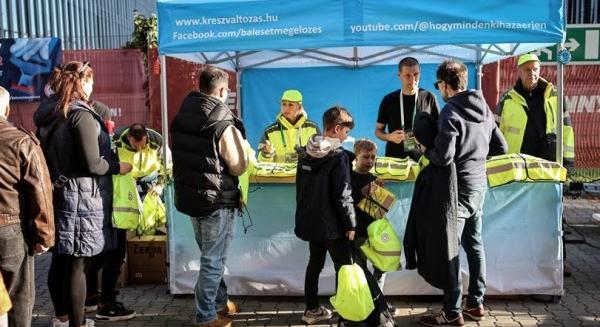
402, 110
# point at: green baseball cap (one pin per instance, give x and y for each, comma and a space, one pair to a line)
527, 57
292, 95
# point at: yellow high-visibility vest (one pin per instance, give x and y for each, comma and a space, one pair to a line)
389, 168
516, 167
513, 120
145, 162
285, 136
126, 203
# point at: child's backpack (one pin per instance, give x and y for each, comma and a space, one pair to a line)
383, 248
381, 316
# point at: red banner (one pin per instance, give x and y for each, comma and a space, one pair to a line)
119, 79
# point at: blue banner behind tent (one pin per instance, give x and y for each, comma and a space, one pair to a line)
25, 65
359, 90
195, 25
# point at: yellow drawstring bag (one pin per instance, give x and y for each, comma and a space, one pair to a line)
383, 248
353, 299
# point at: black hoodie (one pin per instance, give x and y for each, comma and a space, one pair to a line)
467, 136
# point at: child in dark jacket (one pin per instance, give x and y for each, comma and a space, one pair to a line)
324, 210
362, 181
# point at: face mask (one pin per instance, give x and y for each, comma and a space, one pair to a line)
87, 88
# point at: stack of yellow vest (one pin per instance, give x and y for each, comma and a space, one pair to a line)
516, 167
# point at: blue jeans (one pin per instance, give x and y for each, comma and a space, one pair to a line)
470, 211
17, 269
213, 235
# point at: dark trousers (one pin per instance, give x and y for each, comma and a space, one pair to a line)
110, 262
339, 251
16, 266
66, 284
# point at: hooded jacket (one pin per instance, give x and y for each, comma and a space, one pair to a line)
467, 136
324, 206
203, 183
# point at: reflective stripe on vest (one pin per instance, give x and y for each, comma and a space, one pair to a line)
395, 169
516, 167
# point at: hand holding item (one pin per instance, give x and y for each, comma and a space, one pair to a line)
266, 148
40, 249
396, 136
124, 168
156, 189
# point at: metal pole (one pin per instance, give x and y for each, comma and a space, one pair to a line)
479, 67
164, 113
559, 115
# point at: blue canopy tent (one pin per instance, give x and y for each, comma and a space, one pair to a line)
348, 37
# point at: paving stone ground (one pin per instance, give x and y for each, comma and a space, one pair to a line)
580, 305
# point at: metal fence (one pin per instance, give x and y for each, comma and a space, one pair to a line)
80, 24
583, 11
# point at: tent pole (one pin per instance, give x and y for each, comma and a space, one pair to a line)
559, 115
164, 113
479, 67
238, 75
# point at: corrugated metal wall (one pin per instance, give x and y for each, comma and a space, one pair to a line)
583, 11
80, 24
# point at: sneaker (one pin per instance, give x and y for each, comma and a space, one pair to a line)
58, 323
477, 313
440, 319
314, 316
229, 309
91, 303
220, 321
114, 311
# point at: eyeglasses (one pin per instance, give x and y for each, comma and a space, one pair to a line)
437, 85
349, 124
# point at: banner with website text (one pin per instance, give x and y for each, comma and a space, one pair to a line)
192, 25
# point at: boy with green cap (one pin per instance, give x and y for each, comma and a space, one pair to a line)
291, 128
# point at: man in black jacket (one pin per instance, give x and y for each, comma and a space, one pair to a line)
467, 135
208, 155
324, 208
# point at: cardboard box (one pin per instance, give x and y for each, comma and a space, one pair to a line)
147, 259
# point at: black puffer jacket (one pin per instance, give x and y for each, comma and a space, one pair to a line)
202, 180
324, 205
79, 149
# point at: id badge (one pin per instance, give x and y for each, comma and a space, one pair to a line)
410, 144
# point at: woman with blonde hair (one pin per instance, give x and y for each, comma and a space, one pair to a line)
81, 164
